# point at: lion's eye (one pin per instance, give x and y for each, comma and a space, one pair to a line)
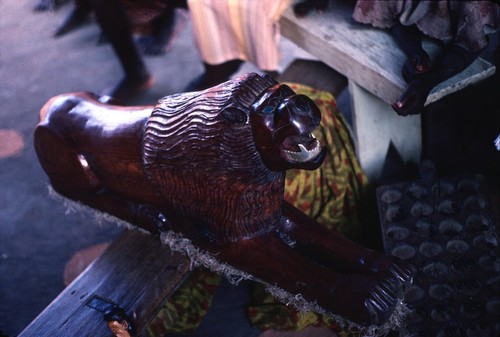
269, 109
268, 103
302, 105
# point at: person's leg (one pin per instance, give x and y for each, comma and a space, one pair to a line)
76, 18
115, 26
166, 28
158, 41
273, 73
214, 75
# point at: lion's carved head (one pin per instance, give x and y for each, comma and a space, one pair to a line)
219, 156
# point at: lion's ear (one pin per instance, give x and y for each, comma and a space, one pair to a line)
235, 115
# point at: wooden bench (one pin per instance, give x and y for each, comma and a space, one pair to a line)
136, 272
372, 62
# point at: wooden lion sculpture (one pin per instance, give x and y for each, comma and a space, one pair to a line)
211, 165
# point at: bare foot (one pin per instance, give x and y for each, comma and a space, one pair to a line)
412, 101
416, 66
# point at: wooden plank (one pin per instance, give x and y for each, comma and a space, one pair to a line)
476, 72
366, 55
136, 272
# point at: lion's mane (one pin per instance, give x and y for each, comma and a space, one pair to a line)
206, 166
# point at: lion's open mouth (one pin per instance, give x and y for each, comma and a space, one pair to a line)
300, 149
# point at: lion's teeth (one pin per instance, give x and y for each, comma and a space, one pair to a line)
304, 154
303, 148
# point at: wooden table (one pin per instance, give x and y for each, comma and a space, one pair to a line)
372, 62
136, 272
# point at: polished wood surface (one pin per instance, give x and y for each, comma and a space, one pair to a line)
211, 165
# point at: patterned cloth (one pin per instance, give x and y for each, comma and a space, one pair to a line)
183, 312
329, 194
465, 23
246, 30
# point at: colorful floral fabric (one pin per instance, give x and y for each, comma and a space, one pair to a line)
330, 195
183, 312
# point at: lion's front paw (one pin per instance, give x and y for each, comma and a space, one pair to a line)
366, 299
393, 266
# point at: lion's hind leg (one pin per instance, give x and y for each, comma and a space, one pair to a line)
67, 168
71, 175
